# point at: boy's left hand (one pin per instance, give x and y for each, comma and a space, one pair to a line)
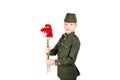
50, 62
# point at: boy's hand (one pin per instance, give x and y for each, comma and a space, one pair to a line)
50, 62
47, 50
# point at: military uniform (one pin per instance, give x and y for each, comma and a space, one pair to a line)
67, 49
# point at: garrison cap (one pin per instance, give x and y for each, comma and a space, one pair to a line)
70, 18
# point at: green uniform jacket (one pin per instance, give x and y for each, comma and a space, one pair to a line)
67, 49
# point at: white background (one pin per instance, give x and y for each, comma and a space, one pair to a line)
22, 45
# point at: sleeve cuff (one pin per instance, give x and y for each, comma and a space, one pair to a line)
57, 62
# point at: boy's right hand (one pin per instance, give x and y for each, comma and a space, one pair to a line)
47, 50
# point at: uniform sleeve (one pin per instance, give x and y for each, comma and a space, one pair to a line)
53, 51
72, 55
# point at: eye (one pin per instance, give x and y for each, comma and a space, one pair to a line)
66, 24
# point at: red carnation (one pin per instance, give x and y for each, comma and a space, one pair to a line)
47, 30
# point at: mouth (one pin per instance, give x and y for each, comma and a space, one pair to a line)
67, 29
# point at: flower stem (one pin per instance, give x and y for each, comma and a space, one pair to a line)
48, 56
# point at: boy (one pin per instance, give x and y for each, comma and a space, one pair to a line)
67, 49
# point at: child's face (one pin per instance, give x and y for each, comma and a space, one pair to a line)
69, 27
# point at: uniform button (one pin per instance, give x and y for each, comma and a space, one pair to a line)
59, 49
64, 38
65, 35
62, 43
66, 46
58, 63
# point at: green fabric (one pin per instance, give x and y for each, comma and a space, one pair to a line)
67, 49
70, 18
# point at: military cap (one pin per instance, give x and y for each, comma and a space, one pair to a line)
71, 18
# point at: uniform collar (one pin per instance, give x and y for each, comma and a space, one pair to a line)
65, 34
